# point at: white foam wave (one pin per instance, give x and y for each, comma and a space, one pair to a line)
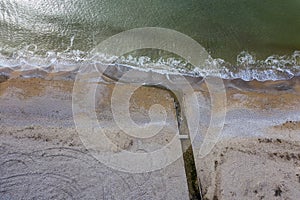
247, 67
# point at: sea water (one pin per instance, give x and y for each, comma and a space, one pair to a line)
248, 39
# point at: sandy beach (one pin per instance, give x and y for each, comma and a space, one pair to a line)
258, 155
149, 100
42, 156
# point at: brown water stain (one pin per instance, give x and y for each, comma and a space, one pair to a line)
31, 87
264, 95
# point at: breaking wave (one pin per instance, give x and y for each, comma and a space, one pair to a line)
247, 67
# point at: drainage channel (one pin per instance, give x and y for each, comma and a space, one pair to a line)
194, 184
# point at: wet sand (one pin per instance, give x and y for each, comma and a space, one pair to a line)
42, 156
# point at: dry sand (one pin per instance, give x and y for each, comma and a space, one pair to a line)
258, 154
42, 156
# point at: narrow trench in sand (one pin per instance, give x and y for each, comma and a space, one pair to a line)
194, 184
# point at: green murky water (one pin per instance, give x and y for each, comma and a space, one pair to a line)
224, 27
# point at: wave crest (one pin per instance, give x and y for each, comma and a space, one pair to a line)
247, 67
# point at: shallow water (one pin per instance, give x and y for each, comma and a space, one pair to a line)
244, 37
